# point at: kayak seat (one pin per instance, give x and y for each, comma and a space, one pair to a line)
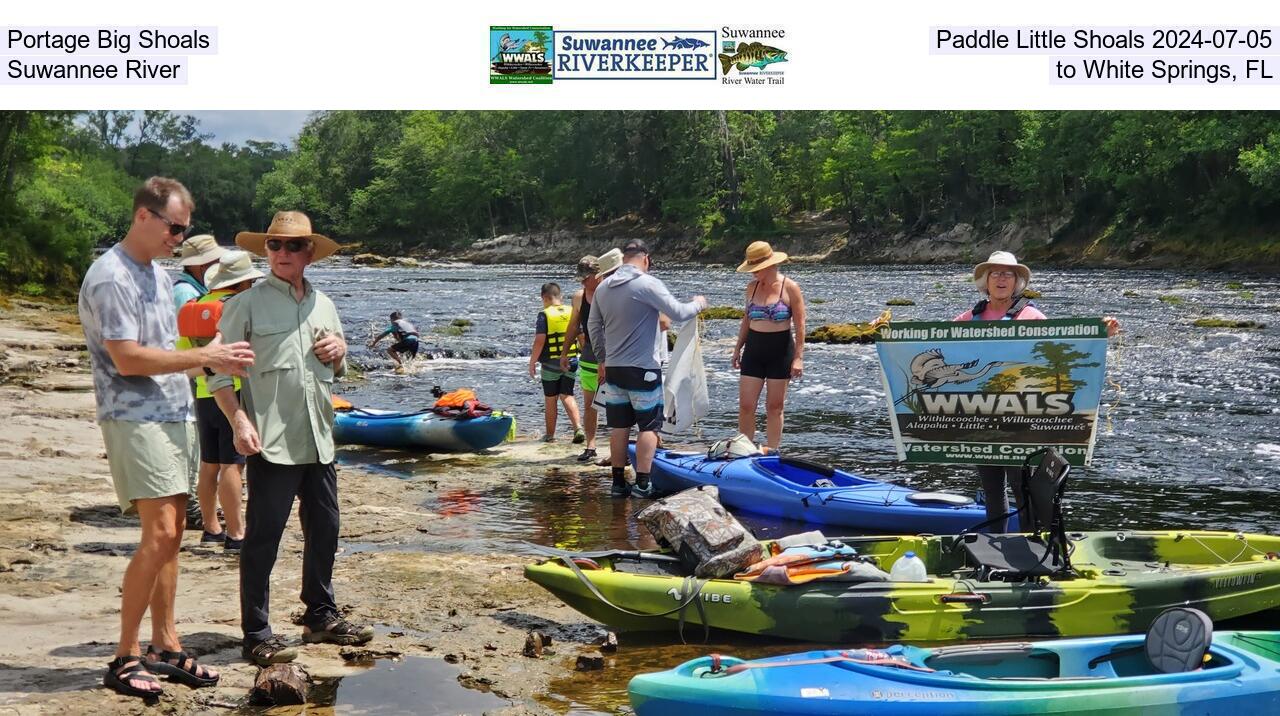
1045, 552
939, 498
823, 482
1178, 640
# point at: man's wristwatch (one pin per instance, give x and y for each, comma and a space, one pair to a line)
208, 372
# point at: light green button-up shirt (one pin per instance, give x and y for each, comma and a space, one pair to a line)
287, 391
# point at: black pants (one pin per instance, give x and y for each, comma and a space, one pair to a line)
272, 488
994, 479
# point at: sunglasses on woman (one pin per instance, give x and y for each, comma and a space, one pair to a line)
293, 246
174, 228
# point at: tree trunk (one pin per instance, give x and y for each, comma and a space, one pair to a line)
730, 167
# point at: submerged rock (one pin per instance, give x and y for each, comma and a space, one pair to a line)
1228, 323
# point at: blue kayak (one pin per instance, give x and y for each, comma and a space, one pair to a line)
422, 430
801, 490
1238, 674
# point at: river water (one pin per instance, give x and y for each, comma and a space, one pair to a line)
1190, 433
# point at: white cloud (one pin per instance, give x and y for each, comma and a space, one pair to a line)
239, 126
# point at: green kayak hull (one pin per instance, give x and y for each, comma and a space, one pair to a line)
1124, 580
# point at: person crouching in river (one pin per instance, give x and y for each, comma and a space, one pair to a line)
767, 352
1002, 281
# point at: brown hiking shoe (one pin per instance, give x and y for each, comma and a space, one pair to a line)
339, 631
266, 653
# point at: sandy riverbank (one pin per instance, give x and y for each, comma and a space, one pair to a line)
64, 547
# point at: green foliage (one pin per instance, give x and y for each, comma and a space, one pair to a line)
1234, 285
1246, 295
1227, 323
1171, 299
31, 288
713, 313
899, 302
461, 322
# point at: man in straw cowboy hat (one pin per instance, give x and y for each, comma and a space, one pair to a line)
284, 424
144, 411
220, 464
591, 271
626, 339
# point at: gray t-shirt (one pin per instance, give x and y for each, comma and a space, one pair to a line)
123, 300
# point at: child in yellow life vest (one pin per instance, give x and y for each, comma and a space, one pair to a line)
548, 344
220, 465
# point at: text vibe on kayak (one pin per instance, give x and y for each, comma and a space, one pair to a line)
679, 596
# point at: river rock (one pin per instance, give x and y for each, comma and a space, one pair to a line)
608, 643
593, 661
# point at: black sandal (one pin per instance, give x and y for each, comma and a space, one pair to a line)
179, 666
123, 669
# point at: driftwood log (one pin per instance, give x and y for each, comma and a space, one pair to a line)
280, 685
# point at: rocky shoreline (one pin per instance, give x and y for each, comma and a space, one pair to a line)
64, 547
820, 238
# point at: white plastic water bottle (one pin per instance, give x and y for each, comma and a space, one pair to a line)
909, 568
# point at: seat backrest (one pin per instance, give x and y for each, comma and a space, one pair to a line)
1043, 488
1178, 640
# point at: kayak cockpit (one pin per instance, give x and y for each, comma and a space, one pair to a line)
802, 473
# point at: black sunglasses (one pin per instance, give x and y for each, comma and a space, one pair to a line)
174, 229
293, 246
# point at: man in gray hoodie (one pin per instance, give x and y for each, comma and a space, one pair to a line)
626, 338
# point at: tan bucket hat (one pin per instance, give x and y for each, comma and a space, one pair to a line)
200, 250
608, 262
1002, 259
232, 268
287, 225
761, 255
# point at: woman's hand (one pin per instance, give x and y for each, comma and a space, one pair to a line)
797, 367
1113, 325
737, 359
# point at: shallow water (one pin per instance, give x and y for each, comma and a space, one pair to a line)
418, 686
1189, 436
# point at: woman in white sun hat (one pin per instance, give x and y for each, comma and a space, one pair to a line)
1002, 282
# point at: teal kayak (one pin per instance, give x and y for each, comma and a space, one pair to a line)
1238, 675
422, 430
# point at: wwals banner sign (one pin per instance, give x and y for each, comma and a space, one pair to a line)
992, 392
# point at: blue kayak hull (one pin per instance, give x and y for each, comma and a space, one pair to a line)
777, 487
1026, 680
422, 430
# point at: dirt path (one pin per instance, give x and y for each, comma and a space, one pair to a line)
64, 547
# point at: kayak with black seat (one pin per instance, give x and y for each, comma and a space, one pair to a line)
422, 430
798, 489
1180, 667
1113, 583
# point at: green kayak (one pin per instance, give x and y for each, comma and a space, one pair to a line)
1113, 583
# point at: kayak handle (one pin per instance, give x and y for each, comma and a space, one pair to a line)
965, 598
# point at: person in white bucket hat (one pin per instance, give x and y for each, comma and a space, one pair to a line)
1003, 281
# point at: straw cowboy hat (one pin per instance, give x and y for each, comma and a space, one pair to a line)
761, 255
200, 250
1001, 259
287, 225
608, 262
232, 268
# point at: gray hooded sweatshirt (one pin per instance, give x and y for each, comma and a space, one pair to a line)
624, 318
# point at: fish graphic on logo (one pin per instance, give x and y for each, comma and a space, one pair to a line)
683, 43
752, 55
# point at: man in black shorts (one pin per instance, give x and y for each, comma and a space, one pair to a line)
405, 335
627, 340
549, 344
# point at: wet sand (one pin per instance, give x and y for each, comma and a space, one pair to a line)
64, 546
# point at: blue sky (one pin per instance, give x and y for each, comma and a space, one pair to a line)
239, 126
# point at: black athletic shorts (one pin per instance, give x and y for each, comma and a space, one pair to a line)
768, 356
217, 440
633, 396
408, 346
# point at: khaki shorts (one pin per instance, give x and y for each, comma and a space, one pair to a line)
150, 460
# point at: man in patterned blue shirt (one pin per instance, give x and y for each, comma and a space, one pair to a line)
144, 409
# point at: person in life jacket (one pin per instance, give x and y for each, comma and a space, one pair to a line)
197, 254
221, 466
1002, 282
549, 344
406, 337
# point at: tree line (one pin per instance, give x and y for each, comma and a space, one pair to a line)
438, 178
